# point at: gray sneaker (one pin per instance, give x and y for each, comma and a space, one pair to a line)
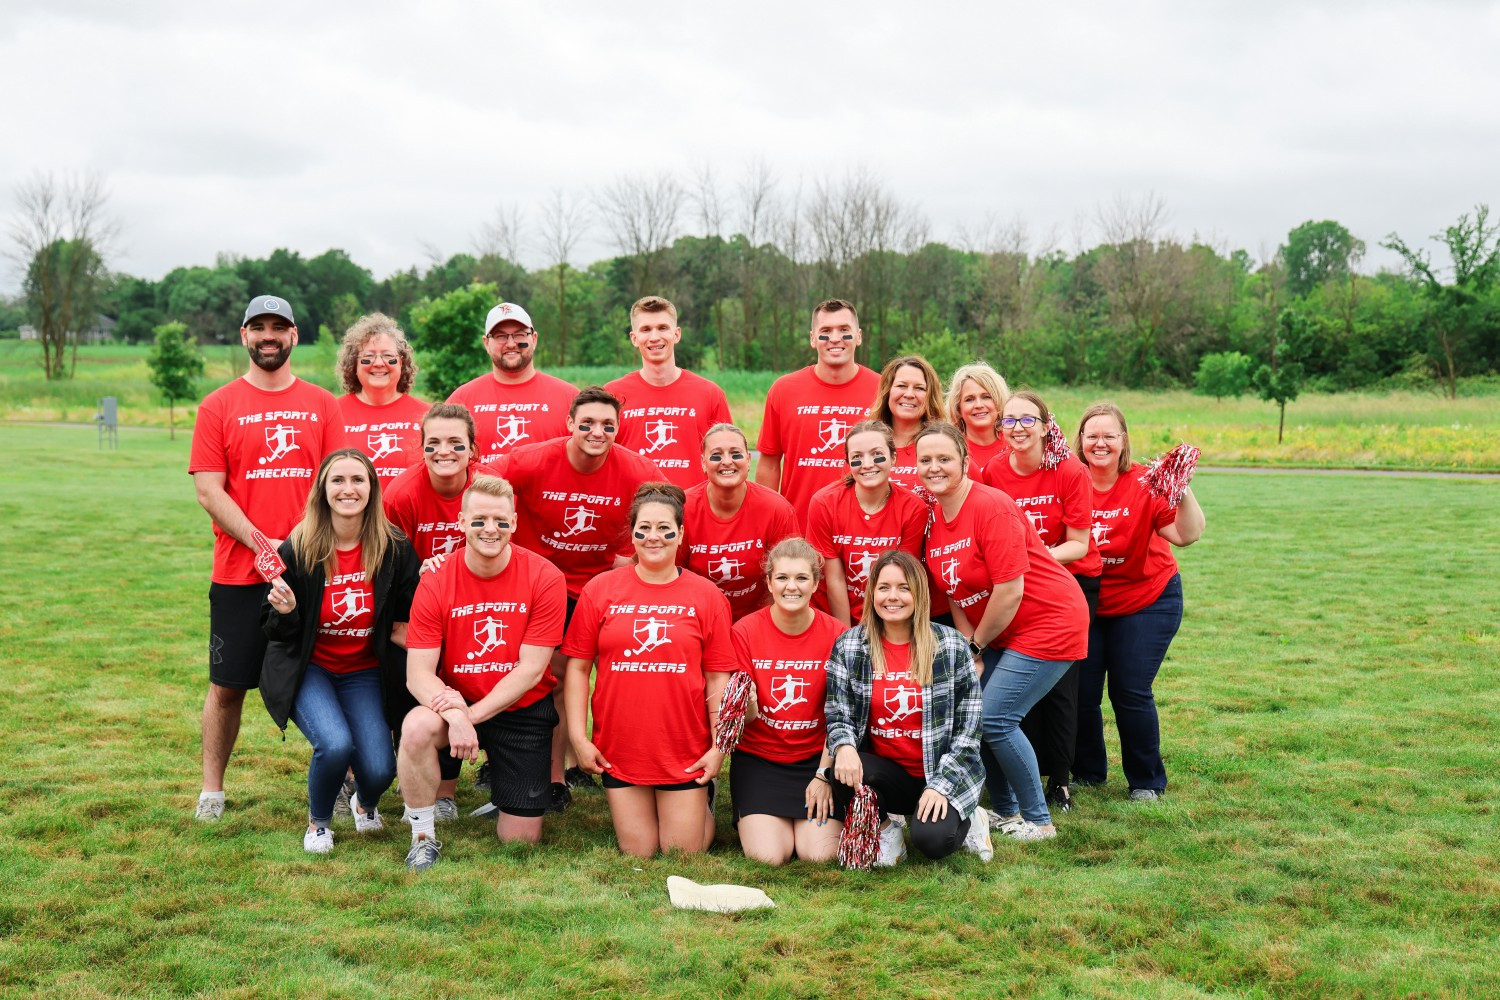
341, 805
423, 854
1005, 825
1146, 795
446, 809
209, 810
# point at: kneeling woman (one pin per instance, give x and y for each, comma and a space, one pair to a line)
661, 637
337, 624
903, 710
783, 806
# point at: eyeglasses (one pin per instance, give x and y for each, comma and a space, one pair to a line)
1027, 421
519, 337
1111, 438
389, 360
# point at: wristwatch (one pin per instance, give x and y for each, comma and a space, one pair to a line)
975, 649
822, 773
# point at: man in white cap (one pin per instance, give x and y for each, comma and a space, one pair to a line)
513, 404
257, 445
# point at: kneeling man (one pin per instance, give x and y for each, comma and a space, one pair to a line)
482, 632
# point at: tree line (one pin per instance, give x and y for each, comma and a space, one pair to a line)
745, 262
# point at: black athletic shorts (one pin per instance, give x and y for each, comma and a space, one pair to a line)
236, 645
758, 786
518, 743
610, 781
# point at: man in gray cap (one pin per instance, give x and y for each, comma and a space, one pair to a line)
257, 445
513, 404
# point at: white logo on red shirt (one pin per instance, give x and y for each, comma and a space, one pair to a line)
650, 633
282, 440
1037, 519
447, 544
726, 570
347, 604
831, 434
788, 690
383, 444
859, 565
512, 429
578, 520
902, 701
659, 434
491, 633
950, 574
1100, 531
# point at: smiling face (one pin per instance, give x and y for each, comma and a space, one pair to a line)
446, 448
908, 395
939, 464
834, 336
379, 364
657, 533
893, 598
792, 582
488, 523
347, 487
1103, 439
511, 345
269, 340
976, 408
593, 427
1020, 436
726, 460
869, 459
655, 335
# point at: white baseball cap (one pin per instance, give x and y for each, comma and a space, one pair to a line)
505, 311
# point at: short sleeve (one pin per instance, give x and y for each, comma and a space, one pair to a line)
207, 453
425, 628
1001, 534
718, 646
820, 526
549, 607
914, 526
739, 636
1074, 488
582, 639
768, 442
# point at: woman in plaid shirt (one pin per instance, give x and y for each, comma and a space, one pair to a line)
903, 708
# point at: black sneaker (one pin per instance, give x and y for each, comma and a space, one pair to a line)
1059, 798
559, 798
577, 777
482, 778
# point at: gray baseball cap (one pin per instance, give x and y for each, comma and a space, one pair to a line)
268, 305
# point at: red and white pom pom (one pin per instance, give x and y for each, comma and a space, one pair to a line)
1054, 446
732, 711
1168, 476
859, 844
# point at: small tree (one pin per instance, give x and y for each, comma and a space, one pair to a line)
450, 332
1226, 373
174, 361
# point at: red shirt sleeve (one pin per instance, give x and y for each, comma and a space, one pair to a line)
1002, 537
549, 605
768, 442
820, 526
739, 636
582, 639
425, 628
1074, 483
718, 648
207, 453
914, 527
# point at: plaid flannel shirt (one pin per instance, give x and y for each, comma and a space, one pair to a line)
951, 711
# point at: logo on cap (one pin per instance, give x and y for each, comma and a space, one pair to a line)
505, 309
270, 304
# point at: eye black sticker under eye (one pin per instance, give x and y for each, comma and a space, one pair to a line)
640, 535
880, 459
669, 535
856, 461
460, 447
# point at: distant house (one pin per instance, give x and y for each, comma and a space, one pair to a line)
101, 331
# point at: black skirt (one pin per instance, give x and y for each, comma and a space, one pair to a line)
770, 788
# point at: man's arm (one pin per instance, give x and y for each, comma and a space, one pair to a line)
522, 678
768, 472
214, 498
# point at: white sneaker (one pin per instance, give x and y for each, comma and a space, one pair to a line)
892, 846
364, 822
318, 840
1029, 831
1005, 825
209, 810
977, 840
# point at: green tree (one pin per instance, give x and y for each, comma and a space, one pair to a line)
1280, 381
174, 362
1319, 252
208, 300
1224, 373
449, 331
945, 351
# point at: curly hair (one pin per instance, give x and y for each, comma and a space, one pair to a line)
365, 329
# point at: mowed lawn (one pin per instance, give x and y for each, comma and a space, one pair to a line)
1330, 729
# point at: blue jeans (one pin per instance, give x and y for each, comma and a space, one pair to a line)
343, 718
1126, 652
1012, 683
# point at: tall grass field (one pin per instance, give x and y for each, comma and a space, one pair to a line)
1329, 717
1372, 430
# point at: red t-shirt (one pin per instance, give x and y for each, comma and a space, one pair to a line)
391, 434
732, 552
429, 520
653, 642
1052, 500
904, 469
666, 423
840, 529
508, 416
981, 455
806, 420
580, 521
481, 623
269, 446
790, 674
896, 712
1138, 563
346, 620
988, 542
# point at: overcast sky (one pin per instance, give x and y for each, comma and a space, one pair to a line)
386, 129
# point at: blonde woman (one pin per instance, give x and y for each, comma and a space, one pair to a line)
976, 399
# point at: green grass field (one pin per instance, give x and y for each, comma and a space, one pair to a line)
1329, 717
1384, 430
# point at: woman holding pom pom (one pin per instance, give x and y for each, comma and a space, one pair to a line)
660, 635
1140, 602
903, 710
783, 804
